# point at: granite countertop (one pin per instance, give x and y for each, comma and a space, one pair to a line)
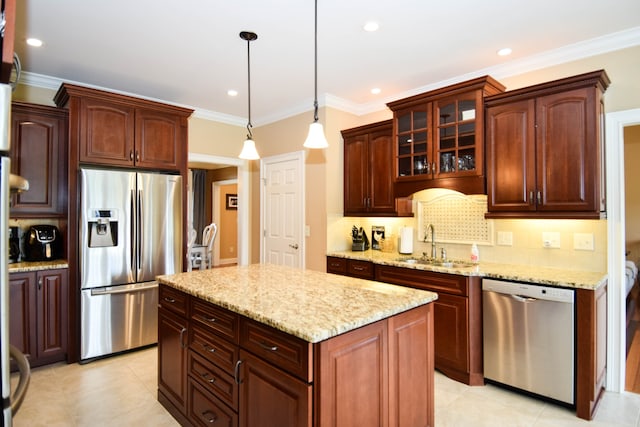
25, 266
310, 305
513, 272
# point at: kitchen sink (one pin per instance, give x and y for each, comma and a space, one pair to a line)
448, 263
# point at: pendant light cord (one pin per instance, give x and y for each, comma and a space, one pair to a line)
315, 100
249, 125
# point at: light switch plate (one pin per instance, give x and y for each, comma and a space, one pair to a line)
550, 239
505, 238
583, 241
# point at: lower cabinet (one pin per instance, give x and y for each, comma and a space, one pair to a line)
39, 315
457, 318
242, 373
351, 267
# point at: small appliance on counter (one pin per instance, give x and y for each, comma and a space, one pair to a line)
14, 244
360, 241
42, 243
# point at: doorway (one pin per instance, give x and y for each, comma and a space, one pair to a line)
204, 161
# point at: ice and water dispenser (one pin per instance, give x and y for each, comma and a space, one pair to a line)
103, 228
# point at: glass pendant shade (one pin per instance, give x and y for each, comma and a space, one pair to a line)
249, 151
316, 138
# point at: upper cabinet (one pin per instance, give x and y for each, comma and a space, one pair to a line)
38, 154
439, 138
117, 130
8, 38
545, 149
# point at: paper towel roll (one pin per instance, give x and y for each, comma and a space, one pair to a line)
406, 240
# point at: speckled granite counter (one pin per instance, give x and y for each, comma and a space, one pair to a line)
311, 305
522, 273
22, 267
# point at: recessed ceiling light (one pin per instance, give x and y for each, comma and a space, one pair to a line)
371, 26
34, 42
232, 92
504, 51
376, 90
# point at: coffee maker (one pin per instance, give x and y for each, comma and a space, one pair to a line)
14, 244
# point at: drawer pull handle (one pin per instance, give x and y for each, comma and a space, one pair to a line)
210, 417
268, 347
358, 268
210, 319
182, 343
209, 348
236, 372
171, 300
205, 377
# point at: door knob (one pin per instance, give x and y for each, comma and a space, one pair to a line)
294, 246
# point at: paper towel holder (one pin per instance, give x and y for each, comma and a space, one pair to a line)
405, 244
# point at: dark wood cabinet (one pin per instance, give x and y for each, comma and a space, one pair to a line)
368, 170
117, 130
439, 138
457, 318
8, 39
38, 154
350, 267
38, 315
545, 149
172, 350
241, 372
271, 397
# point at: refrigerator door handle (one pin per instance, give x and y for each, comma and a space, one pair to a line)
140, 228
133, 247
121, 290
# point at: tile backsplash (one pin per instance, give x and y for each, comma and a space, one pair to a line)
459, 222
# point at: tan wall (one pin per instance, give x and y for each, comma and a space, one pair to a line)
228, 227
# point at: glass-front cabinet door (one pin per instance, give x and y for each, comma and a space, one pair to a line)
413, 136
456, 136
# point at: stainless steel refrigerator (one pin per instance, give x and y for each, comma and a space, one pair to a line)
130, 232
8, 183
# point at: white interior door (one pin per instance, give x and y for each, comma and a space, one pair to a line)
282, 201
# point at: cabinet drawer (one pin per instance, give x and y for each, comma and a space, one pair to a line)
287, 352
432, 281
215, 380
218, 320
213, 348
205, 410
361, 269
336, 265
174, 300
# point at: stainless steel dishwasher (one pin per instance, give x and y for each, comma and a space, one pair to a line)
528, 334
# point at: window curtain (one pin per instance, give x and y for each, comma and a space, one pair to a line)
199, 215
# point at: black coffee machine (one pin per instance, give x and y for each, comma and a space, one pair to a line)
14, 244
42, 243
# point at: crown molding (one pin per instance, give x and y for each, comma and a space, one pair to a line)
585, 49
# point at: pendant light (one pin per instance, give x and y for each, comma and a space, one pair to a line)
249, 151
316, 138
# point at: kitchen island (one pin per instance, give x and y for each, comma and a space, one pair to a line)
266, 345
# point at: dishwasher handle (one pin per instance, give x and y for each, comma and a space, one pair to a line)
524, 299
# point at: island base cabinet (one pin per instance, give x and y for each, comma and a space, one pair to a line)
378, 375
206, 410
270, 397
172, 361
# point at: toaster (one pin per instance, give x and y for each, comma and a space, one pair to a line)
42, 243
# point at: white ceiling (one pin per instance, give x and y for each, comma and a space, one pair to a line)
189, 52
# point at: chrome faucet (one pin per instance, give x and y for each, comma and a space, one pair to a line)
433, 240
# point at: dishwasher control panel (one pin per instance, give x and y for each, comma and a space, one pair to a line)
529, 290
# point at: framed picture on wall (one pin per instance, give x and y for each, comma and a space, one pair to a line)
232, 201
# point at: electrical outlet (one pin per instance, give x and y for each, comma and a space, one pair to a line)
550, 239
307, 231
505, 238
583, 241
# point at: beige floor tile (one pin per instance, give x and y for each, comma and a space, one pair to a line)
122, 391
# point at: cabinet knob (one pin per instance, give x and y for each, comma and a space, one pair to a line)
539, 198
210, 417
137, 156
40, 283
131, 155
530, 197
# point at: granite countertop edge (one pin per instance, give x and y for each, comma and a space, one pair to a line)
319, 305
27, 266
549, 276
